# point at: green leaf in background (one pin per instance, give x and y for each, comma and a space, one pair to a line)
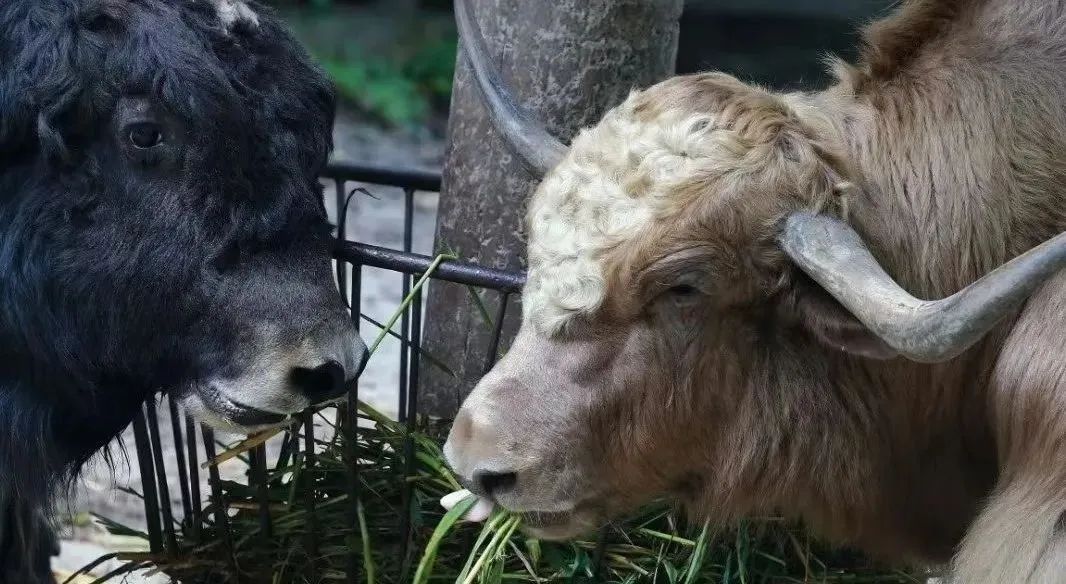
390, 69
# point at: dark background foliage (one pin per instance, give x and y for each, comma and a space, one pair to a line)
393, 60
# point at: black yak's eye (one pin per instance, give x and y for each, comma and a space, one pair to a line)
145, 135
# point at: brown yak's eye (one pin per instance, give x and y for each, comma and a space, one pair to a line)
145, 135
683, 291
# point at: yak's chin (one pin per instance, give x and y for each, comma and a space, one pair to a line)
558, 526
210, 406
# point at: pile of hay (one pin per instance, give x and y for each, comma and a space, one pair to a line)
655, 545
399, 472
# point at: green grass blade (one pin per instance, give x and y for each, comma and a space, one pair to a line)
364, 531
407, 300
429, 557
695, 561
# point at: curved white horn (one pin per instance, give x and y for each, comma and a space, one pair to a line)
930, 331
520, 130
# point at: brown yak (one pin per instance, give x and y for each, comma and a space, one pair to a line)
723, 301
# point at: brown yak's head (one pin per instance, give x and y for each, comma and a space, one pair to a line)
653, 269
687, 262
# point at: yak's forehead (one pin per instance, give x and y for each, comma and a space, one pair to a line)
618, 179
219, 60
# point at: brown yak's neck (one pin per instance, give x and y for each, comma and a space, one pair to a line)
958, 159
897, 456
888, 456
959, 150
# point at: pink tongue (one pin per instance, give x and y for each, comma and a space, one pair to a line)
478, 513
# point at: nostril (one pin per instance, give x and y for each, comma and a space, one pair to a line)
319, 383
494, 483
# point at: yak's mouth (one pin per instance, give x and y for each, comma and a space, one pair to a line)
208, 404
244, 415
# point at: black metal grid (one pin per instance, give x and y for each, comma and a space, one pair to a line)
351, 258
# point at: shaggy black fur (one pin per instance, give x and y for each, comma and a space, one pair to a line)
126, 269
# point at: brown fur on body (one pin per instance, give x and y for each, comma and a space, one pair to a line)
946, 149
958, 135
955, 125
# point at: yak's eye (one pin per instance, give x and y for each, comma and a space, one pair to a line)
145, 135
683, 291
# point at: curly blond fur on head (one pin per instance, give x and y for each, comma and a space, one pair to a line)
697, 139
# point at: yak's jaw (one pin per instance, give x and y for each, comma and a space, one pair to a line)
562, 525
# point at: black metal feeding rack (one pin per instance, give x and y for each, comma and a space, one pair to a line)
194, 443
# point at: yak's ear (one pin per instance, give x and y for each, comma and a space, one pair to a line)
829, 322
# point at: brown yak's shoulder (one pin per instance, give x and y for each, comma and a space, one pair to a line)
919, 30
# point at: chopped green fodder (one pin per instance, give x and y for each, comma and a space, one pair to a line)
654, 545
317, 533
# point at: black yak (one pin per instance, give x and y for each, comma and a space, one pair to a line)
161, 227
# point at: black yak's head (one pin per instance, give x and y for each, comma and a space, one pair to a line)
161, 220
